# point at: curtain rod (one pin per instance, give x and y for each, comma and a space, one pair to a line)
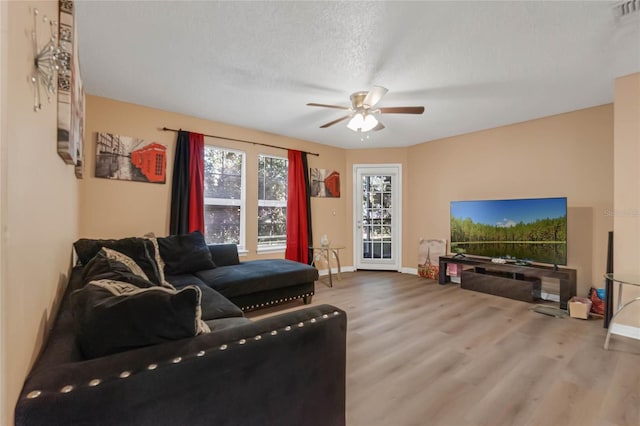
166, 129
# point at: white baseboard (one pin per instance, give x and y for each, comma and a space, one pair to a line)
324, 272
626, 331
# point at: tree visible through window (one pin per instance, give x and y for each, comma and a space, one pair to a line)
272, 201
224, 196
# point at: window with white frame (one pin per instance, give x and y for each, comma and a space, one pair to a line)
224, 196
272, 202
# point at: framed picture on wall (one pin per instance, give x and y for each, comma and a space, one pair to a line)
324, 183
70, 91
128, 158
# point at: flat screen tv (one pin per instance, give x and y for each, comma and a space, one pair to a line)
531, 230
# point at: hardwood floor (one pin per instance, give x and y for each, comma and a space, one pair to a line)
419, 353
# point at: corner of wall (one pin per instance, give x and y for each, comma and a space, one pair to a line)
4, 418
39, 206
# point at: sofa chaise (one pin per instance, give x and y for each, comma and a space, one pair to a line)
252, 284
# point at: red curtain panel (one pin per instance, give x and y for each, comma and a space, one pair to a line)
196, 179
297, 225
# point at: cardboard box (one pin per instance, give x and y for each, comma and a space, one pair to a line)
579, 307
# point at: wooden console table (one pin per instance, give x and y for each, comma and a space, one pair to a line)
511, 275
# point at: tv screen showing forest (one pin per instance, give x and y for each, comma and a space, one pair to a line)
533, 229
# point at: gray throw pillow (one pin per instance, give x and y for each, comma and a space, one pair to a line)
141, 250
105, 267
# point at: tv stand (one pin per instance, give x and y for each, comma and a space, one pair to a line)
509, 280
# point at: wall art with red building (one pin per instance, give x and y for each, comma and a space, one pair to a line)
128, 158
324, 183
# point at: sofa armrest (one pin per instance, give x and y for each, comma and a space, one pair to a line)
287, 369
224, 254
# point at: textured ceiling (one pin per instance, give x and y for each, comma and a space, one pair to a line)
473, 65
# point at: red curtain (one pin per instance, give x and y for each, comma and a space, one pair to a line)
297, 225
196, 179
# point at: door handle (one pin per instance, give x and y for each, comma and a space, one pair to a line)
359, 224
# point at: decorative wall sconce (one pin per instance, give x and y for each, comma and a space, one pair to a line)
46, 61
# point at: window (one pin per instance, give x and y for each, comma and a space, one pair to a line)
224, 196
272, 202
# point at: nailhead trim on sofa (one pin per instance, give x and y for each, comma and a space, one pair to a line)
273, 302
178, 359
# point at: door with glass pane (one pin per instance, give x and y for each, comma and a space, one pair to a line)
378, 218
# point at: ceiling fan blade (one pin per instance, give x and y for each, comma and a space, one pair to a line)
331, 123
327, 106
373, 97
380, 126
402, 110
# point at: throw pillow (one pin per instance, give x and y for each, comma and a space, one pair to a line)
126, 260
113, 316
141, 250
103, 266
185, 254
152, 238
224, 254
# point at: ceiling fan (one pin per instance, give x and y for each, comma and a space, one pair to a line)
362, 113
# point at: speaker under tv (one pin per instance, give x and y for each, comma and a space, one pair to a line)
528, 229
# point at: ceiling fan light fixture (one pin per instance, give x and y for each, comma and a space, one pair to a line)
362, 114
369, 123
362, 122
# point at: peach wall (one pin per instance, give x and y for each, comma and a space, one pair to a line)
4, 31
39, 207
114, 209
626, 211
563, 155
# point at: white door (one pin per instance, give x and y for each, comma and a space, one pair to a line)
378, 216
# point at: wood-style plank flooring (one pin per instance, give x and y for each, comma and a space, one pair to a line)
419, 353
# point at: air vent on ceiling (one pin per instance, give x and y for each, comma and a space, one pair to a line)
626, 8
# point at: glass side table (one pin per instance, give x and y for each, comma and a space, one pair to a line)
622, 280
325, 252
